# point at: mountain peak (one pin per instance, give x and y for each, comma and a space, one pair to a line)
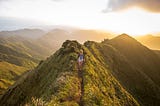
123, 36
124, 39
70, 43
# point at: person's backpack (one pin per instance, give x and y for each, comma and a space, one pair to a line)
81, 57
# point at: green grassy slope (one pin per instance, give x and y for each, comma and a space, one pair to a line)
135, 66
30, 47
56, 81
12, 64
8, 74
17, 52
16, 57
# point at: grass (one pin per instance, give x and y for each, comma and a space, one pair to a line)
8, 74
56, 82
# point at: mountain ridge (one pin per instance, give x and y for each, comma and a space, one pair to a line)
66, 84
27, 33
26, 47
120, 71
143, 62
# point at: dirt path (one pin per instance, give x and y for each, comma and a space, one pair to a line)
80, 75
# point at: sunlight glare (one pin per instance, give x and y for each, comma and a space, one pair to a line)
134, 21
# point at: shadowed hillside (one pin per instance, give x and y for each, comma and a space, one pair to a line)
135, 66
55, 81
157, 52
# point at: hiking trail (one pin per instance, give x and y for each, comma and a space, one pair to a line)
80, 75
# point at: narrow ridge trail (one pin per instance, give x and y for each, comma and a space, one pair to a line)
80, 75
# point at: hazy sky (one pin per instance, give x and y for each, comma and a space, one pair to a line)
149, 5
128, 16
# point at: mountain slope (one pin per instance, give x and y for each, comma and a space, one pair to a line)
150, 41
26, 33
12, 64
26, 47
8, 74
157, 52
31, 47
54, 38
56, 81
112, 68
135, 66
19, 53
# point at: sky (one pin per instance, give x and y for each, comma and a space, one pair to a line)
133, 17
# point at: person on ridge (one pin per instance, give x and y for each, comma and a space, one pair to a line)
80, 59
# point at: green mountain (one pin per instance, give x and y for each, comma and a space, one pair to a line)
117, 72
57, 81
135, 66
27, 33
9, 73
26, 47
19, 53
12, 64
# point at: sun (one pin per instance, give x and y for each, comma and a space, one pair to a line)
134, 21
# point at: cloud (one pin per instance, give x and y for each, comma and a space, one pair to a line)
149, 5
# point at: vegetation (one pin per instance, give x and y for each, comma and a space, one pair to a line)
17, 55
8, 74
56, 81
26, 47
117, 72
133, 65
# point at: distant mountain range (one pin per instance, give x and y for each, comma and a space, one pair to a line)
23, 49
150, 41
117, 72
26, 33
19, 52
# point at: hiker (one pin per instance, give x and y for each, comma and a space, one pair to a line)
80, 59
